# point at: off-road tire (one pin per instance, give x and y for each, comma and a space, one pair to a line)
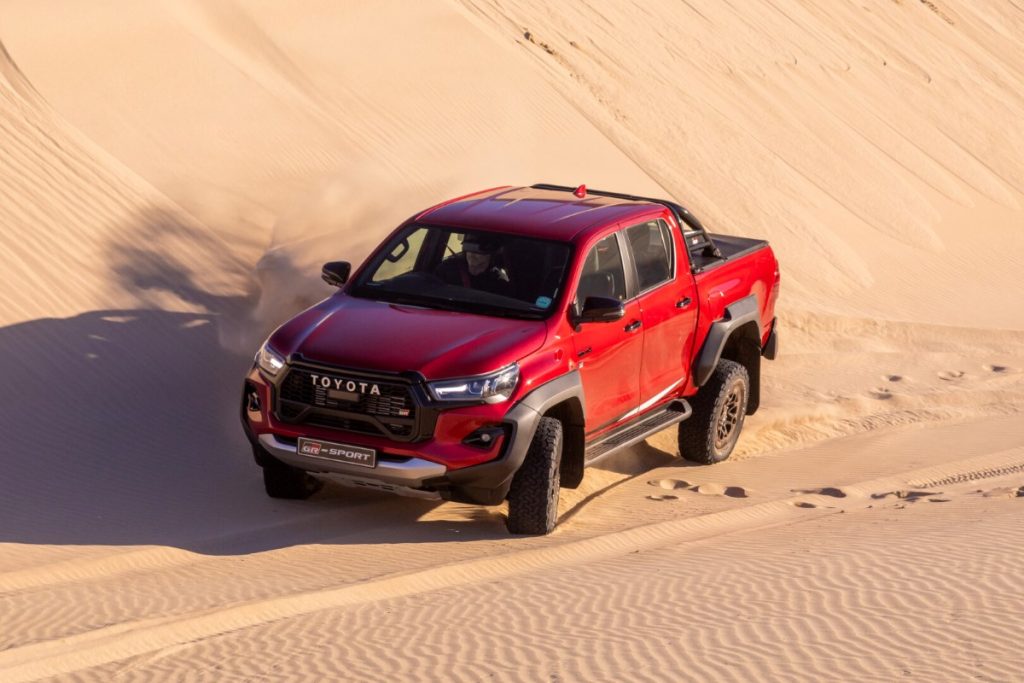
710, 434
283, 481
533, 497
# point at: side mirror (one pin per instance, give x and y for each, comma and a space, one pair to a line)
336, 273
601, 309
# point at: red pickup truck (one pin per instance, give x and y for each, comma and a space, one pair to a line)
495, 345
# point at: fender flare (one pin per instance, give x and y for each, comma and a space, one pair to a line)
737, 315
550, 394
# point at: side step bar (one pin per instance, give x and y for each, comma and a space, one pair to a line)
633, 433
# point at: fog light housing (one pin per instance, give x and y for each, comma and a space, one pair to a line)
252, 402
485, 438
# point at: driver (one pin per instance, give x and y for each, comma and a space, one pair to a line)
476, 266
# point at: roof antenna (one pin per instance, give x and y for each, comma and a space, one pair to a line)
580, 191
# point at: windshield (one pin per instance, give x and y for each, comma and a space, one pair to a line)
469, 271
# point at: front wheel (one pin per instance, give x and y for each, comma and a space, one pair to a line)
533, 497
710, 434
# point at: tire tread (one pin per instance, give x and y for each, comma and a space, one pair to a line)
533, 496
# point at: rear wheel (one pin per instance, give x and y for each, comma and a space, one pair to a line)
533, 497
710, 434
283, 481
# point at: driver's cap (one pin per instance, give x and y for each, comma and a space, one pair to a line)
480, 244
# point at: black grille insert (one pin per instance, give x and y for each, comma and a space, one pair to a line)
350, 402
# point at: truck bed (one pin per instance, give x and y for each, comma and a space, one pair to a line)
729, 247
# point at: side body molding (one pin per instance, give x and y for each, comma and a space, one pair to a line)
737, 315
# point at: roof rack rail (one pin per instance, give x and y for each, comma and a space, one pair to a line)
698, 241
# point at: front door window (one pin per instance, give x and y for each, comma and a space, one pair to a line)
608, 353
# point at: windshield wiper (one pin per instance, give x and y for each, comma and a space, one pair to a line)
420, 301
502, 311
452, 304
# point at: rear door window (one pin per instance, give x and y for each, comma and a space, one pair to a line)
651, 245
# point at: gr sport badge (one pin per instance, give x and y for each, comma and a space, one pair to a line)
348, 385
338, 452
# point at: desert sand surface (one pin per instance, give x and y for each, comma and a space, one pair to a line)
172, 175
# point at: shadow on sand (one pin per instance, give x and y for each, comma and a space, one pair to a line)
120, 427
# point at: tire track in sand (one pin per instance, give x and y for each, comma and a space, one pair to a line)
133, 638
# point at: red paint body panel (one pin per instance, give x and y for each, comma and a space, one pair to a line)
350, 332
725, 284
610, 368
669, 324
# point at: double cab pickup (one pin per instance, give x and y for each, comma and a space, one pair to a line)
495, 345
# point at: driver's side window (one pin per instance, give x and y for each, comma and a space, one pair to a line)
603, 274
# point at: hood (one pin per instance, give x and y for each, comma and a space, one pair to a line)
371, 335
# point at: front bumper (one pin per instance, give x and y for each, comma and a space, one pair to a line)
441, 467
410, 472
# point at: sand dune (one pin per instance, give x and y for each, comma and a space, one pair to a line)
172, 175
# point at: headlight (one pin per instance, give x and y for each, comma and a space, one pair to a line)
493, 388
269, 360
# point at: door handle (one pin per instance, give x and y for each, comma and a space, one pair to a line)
684, 302
633, 326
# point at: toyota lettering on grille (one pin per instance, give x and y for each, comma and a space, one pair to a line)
349, 385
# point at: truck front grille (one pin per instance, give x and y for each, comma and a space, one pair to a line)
355, 403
